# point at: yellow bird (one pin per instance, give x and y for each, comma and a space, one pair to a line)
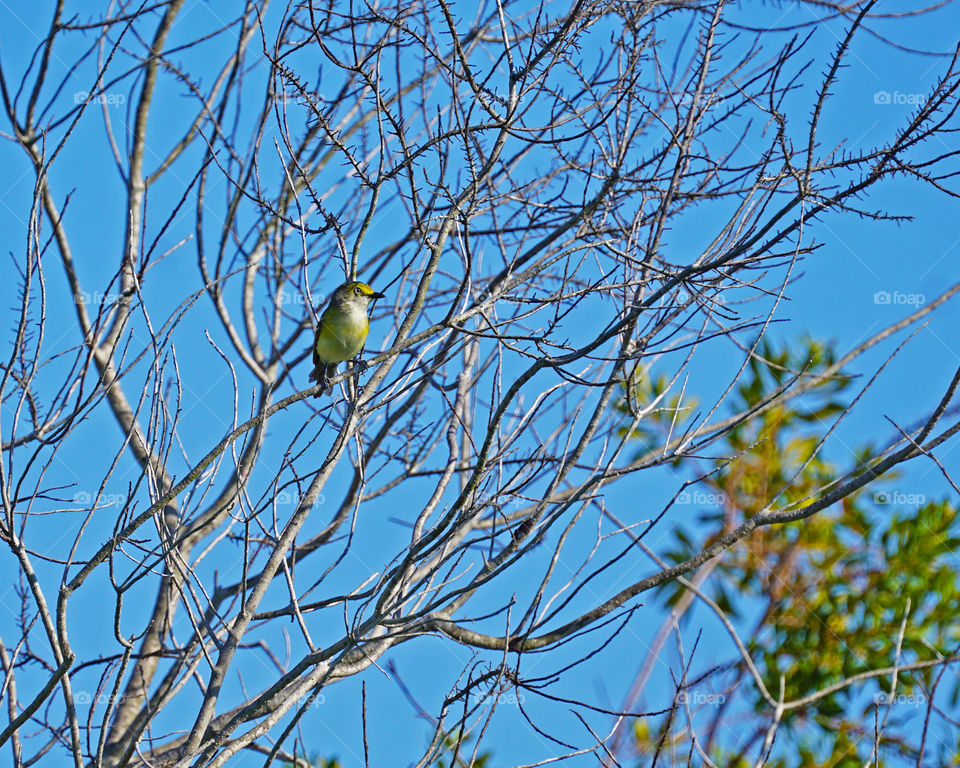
342, 331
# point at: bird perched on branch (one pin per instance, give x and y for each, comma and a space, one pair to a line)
342, 331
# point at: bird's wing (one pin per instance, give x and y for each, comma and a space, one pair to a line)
316, 336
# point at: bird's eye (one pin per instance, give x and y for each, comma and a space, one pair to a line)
357, 291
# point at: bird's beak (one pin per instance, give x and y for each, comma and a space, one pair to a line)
376, 295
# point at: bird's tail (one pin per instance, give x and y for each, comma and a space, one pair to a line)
320, 373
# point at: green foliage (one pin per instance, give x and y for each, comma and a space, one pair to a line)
446, 760
837, 592
666, 411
